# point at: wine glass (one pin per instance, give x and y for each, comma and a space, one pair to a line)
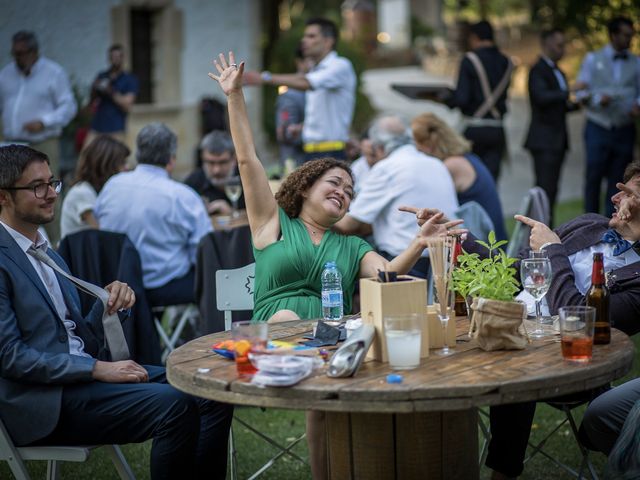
443, 307
535, 274
538, 254
233, 190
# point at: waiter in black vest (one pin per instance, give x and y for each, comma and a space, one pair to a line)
481, 95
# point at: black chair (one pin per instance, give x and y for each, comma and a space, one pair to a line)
101, 257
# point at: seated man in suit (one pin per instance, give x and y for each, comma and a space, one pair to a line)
570, 249
58, 384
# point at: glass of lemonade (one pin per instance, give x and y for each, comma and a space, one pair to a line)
403, 336
576, 332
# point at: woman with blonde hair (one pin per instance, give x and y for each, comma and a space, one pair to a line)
471, 177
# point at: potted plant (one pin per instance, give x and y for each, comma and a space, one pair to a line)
491, 282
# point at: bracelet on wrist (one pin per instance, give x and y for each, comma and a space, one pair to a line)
266, 76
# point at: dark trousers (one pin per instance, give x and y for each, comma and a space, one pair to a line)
336, 154
489, 143
177, 292
605, 416
510, 429
608, 154
547, 166
189, 434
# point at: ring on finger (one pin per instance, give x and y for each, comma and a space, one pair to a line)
234, 65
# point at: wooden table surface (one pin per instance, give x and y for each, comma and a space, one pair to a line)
424, 428
469, 377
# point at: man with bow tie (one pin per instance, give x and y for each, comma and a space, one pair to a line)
612, 101
547, 139
570, 249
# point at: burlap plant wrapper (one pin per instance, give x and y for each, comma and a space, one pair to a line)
495, 324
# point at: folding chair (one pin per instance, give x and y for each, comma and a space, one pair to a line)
16, 456
534, 205
234, 291
566, 407
175, 319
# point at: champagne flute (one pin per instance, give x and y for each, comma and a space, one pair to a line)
535, 274
233, 190
443, 306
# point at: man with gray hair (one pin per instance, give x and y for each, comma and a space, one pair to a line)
402, 175
218, 157
163, 218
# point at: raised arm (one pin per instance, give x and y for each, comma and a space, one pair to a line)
262, 208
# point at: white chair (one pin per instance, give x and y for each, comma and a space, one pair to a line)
177, 317
234, 291
16, 456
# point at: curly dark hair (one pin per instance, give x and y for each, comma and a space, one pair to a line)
290, 194
101, 159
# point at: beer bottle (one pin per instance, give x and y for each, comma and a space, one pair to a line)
460, 306
598, 297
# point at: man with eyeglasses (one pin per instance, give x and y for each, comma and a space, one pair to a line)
59, 382
36, 101
218, 157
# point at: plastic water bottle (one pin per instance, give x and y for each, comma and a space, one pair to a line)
331, 292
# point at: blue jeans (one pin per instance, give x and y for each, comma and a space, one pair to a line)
608, 154
189, 434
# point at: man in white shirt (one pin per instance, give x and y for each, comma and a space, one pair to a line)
401, 176
330, 87
35, 98
164, 219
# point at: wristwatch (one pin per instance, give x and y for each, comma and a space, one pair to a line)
266, 76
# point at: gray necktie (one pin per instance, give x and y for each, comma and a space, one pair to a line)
110, 323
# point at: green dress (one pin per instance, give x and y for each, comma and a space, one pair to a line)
288, 271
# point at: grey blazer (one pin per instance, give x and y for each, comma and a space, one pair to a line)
34, 349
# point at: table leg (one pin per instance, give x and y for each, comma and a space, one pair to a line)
425, 446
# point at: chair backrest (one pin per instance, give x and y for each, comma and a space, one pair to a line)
234, 290
476, 219
535, 205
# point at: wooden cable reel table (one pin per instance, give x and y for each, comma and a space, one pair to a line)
423, 428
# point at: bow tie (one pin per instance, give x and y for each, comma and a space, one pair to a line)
621, 56
620, 245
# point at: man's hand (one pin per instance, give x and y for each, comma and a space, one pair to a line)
435, 227
629, 205
540, 233
124, 371
120, 297
34, 126
219, 207
423, 214
605, 100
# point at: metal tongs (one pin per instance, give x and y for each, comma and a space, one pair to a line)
348, 358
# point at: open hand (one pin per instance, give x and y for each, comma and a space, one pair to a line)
629, 204
540, 233
436, 227
230, 78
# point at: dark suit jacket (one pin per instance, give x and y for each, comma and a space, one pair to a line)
549, 106
624, 283
34, 348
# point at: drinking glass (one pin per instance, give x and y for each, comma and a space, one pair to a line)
403, 336
538, 254
535, 274
443, 307
233, 190
249, 337
576, 332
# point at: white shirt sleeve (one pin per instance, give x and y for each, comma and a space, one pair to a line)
64, 102
373, 197
330, 75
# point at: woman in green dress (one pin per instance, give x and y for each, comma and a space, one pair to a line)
293, 238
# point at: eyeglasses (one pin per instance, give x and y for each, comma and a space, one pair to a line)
41, 189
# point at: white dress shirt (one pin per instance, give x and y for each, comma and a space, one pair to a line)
330, 102
44, 95
163, 218
405, 177
360, 169
79, 199
51, 284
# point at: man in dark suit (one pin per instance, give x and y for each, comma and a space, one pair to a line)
547, 139
57, 382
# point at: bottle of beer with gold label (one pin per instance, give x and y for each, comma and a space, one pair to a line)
460, 306
598, 297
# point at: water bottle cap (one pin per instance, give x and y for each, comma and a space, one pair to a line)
331, 264
394, 378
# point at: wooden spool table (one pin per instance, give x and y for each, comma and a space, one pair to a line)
423, 428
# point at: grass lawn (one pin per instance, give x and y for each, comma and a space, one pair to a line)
286, 425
